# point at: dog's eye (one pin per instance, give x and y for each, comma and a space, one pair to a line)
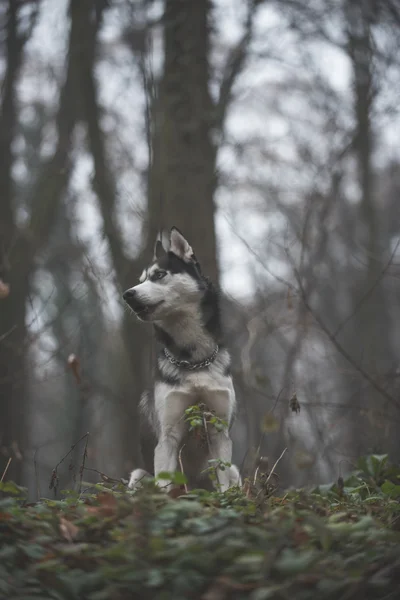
159, 275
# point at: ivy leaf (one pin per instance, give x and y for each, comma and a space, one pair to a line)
291, 562
390, 489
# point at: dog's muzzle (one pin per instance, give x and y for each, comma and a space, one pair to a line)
131, 298
138, 306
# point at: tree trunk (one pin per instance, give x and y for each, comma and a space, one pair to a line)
183, 181
135, 336
21, 247
181, 178
370, 348
12, 307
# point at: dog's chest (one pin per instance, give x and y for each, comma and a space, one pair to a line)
213, 389
211, 378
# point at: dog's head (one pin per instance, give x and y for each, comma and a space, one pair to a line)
172, 284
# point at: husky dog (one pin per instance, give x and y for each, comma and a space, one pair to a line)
192, 367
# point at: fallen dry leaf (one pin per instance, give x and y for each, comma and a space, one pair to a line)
107, 508
74, 365
4, 289
68, 530
177, 492
294, 404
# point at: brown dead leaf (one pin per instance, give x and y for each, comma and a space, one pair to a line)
177, 492
300, 536
289, 299
74, 365
294, 404
68, 530
222, 587
235, 585
107, 508
247, 490
107, 500
309, 579
4, 289
16, 450
340, 484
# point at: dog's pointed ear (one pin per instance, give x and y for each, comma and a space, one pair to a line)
161, 246
164, 237
159, 251
180, 246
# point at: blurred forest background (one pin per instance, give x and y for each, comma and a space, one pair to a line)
268, 131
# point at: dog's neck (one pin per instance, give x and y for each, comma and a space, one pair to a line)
186, 337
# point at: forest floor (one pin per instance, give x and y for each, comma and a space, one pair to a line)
339, 541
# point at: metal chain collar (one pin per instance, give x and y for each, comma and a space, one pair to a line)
192, 366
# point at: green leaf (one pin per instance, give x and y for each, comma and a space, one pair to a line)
265, 593
378, 462
390, 489
179, 478
269, 423
291, 562
33, 551
155, 578
164, 475
9, 487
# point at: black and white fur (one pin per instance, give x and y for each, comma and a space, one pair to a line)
183, 306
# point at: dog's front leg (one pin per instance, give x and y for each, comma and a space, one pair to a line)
166, 455
172, 426
221, 401
221, 448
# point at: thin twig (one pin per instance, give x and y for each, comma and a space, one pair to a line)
368, 292
344, 353
255, 475
39, 495
234, 65
273, 468
278, 396
83, 462
70, 450
6, 469
103, 476
181, 465
54, 477
7, 333
209, 448
262, 436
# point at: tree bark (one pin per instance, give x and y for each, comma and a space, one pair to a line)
373, 351
12, 308
183, 183
20, 247
135, 336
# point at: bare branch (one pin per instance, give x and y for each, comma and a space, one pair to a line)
6, 469
342, 350
368, 292
234, 66
273, 468
103, 181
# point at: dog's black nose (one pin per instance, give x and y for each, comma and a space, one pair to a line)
129, 295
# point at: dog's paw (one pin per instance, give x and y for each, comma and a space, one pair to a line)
136, 478
234, 476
